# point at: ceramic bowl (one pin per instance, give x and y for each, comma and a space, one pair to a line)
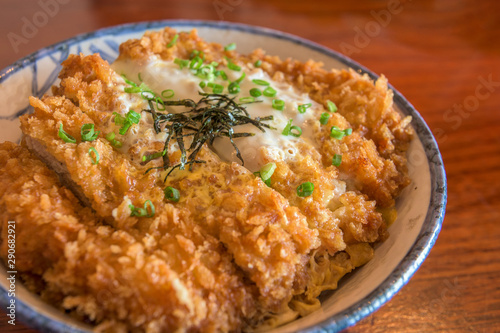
420, 208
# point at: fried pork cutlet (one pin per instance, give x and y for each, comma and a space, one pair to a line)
171, 276
233, 250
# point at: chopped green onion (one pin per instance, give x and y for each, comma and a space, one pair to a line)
168, 93
255, 92
232, 66
132, 90
278, 104
338, 134
173, 41
217, 88
286, 130
202, 84
241, 78
125, 128
267, 181
331, 106
149, 204
96, 159
206, 72
133, 116
181, 62
171, 194
111, 138
223, 75
195, 53
119, 119
258, 63
248, 99
325, 116
139, 77
233, 88
160, 104
305, 189
196, 63
295, 131
303, 107
337, 160
269, 92
267, 171
230, 47
65, 136
87, 132
260, 82
127, 81
143, 89
134, 211
147, 158
150, 96
143, 212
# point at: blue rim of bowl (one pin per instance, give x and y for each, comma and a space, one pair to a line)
404, 270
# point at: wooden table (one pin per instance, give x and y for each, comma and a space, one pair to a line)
444, 56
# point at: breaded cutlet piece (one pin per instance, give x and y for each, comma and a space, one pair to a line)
270, 247
119, 280
375, 158
371, 176
232, 253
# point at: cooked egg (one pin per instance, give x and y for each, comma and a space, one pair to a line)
160, 75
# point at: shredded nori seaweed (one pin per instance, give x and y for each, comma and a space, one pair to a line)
213, 116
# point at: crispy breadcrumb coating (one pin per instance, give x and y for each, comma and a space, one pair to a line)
375, 158
233, 253
173, 276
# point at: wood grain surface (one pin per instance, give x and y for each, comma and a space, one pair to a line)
444, 56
